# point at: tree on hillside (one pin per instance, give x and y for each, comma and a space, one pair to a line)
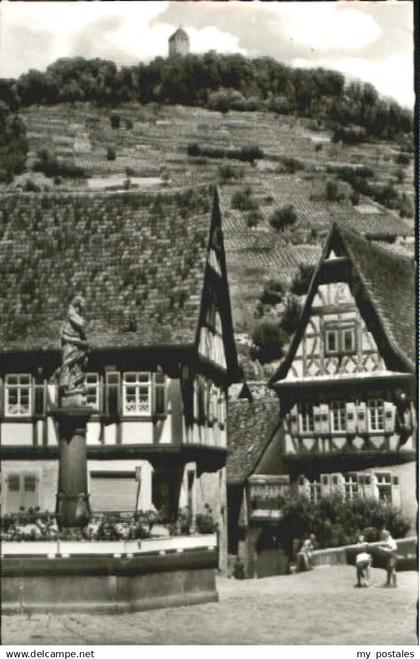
291, 315
13, 143
302, 279
268, 342
9, 94
243, 200
284, 217
273, 292
35, 87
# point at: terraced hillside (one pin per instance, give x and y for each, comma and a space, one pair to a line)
300, 167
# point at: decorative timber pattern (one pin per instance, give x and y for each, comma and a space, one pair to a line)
336, 339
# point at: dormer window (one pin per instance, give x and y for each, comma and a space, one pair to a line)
340, 339
349, 339
331, 342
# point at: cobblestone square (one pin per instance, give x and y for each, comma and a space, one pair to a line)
320, 607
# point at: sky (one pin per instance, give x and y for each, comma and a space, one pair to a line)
371, 41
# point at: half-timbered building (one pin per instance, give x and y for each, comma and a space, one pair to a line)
347, 388
152, 269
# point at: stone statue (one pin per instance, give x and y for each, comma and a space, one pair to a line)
74, 355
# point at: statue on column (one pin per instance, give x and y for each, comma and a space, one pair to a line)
75, 351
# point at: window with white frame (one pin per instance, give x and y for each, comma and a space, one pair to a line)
351, 486
306, 416
338, 416
348, 339
376, 414
384, 486
18, 395
340, 339
92, 390
331, 341
137, 394
315, 491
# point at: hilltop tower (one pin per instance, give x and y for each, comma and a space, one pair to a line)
179, 43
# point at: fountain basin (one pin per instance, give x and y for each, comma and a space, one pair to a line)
112, 577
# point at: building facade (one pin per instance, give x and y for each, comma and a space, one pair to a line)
179, 43
347, 389
152, 270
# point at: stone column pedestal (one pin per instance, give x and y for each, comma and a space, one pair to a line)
72, 507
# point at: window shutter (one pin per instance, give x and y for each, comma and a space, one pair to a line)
293, 421
337, 482
196, 397
374, 486
324, 411
13, 483
351, 418
201, 401
364, 484
396, 492
13, 498
113, 492
304, 486
361, 417
221, 408
51, 394
188, 394
207, 403
317, 419
389, 413
39, 399
370, 485
30, 491
159, 390
325, 484
113, 394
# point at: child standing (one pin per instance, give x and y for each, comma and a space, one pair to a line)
363, 563
390, 546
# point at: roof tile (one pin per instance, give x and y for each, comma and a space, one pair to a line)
250, 426
137, 257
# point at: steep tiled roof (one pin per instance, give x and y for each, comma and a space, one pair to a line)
387, 285
250, 426
382, 224
390, 285
137, 257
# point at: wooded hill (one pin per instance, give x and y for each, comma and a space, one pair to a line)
218, 82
